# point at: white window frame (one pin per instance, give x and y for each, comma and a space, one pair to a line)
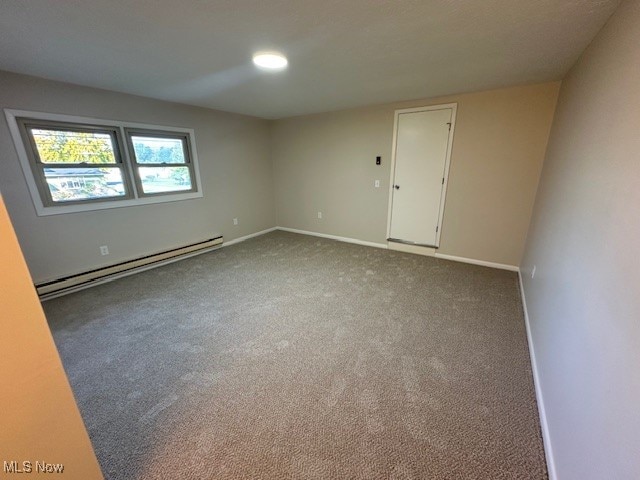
42, 209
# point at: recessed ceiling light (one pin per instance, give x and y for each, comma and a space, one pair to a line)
270, 60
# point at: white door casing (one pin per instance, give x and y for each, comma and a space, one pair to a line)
422, 141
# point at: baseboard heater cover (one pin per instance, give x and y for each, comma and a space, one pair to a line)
82, 279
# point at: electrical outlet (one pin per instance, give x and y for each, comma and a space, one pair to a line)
104, 250
319, 214
235, 221
533, 272
376, 184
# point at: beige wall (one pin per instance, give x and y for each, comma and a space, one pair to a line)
320, 162
40, 420
236, 171
326, 163
583, 302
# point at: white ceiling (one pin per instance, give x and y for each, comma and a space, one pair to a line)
342, 53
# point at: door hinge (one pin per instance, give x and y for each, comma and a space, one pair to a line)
443, 180
437, 229
449, 123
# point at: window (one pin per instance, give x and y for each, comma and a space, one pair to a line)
161, 160
75, 164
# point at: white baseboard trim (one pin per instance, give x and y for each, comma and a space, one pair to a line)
473, 261
247, 237
334, 237
544, 426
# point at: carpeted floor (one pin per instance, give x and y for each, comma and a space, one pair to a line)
288, 356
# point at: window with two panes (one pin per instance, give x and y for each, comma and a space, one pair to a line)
77, 163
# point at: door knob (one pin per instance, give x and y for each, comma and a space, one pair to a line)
397, 187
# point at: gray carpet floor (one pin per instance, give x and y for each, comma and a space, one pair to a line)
288, 356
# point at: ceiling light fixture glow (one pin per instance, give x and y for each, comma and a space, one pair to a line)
270, 60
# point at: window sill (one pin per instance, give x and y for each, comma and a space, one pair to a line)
43, 211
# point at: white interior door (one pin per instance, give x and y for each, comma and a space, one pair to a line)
421, 159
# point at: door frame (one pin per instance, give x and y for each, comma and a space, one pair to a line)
443, 195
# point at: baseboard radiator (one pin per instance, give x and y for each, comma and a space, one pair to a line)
79, 281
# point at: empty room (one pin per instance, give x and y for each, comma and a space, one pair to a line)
320, 240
